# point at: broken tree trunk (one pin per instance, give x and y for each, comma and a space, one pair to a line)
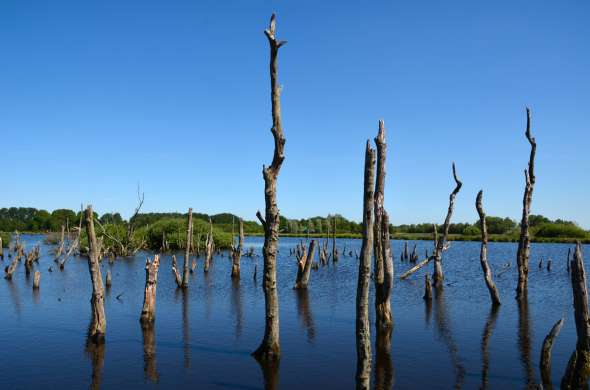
36, 280
9, 270
382, 246
427, 288
209, 247
545, 363
175, 272
483, 257
148, 313
578, 367
437, 277
187, 253
97, 329
108, 281
60, 249
236, 253
304, 267
524, 243
270, 350
363, 331
334, 249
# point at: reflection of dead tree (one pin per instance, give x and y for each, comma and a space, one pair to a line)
545, 363
445, 333
96, 353
150, 367
236, 300
524, 339
384, 373
485, 341
304, 312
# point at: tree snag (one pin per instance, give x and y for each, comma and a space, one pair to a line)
270, 349
109, 280
209, 247
236, 252
148, 313
36, 280
545, 363
60, 249
334, 249
175, 272
524, 243
383, 256
304, 266
483, 257
438, 276
187, 252
98, 324
363, 331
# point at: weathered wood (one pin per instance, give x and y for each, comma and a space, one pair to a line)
108, 281
148, 313
483, 256
187, 252
427, 288
363, 331
382, 244
60, 249
524, 243
175, 272
578, 368
334, 249
304, 267
269, 349
97, 329
545, 362
209, 248
437, 276
149, 353
36, 280
236, 252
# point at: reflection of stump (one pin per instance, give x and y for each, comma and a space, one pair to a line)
149, 353
384, 373
96, 353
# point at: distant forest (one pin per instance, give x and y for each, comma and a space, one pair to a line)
26, 219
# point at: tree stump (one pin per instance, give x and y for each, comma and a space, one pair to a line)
236, 253
304, 267
148, 313
36, 280
97, 329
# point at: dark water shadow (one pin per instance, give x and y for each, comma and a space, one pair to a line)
185, 327
208, 293
384, 371
524, 341
305, 313
95, 352
485, 342
444, 330
150, 367
427, 312
14, 295
270, 373
237, 307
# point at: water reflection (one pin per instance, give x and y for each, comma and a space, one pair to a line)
485, 341
443, 327
183, 292
15, 296
305, 314
384, 372
524, 340
270, 373
149, 353
95, 352
236, 302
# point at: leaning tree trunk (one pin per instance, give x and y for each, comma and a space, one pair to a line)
98, 324
578, 367
524, 243
236, 253
304, 267
483, 257
363, 332
187, 252
438, 276
545, 363
270, 349
148, 313
383, 256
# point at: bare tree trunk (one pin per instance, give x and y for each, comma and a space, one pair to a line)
437, 277
304, 267
483, 257
427, 288
524, 243
578, 368
148, 313
545, 364
209, 247
9, 270
269, 349
36, 280
236, 253
175, 272
98, 325
363, 331
334, 249
383, 256
61, 243
187, 253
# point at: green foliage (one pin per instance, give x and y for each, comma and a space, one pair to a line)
472, 231
5, 239
174, 230
559, 230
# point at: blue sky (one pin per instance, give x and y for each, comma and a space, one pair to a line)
98, 96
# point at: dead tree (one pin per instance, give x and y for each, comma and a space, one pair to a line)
270, 349
36, 280
74, 246
97, 329
187, 252
383, 256
545, 363
60, 249
148, 313
363, 331
405, 257
524, 243
437, 276
175, 272
304, 266
209, 247
236, 252
109, 280
334, 249
578, 367
9, 270
483, 257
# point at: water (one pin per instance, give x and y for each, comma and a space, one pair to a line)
204, 337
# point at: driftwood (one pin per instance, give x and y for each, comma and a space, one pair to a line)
175, 272
148, 313
578, 367
97, 329
524, 243
209, 247
363, 332
236, 252
36, 280
437, 276
187, 252
382, 245
483, 257
545, 363
304, 266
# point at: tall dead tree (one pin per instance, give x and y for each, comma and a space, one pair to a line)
578, 368
148, 313
270, 349
383, 256
438, 276
334, 249
483, 257
236, 252
60, 249
363, 331
209, 247
98, 324
187, 252
304, 266
524, 243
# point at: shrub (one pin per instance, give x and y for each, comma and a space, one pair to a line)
559, 230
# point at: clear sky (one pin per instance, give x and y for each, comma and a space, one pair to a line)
98, 96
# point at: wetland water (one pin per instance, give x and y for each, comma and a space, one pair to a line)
204, 337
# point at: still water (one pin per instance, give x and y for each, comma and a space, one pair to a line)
204, 337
